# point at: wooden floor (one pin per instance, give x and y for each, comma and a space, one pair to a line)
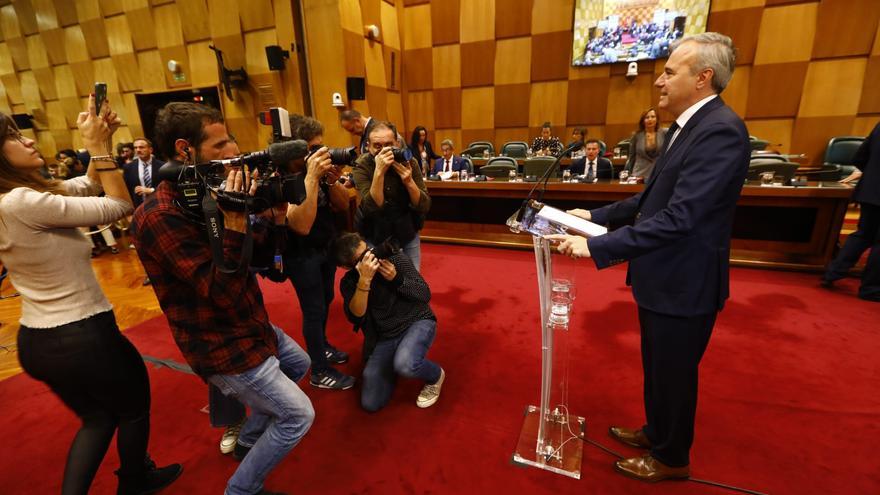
121, 276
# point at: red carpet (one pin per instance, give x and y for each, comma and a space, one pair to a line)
788, 400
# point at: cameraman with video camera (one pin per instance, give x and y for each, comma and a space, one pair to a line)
216, 314
393, 312
394, 199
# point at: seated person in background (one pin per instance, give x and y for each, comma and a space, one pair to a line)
592, 166
393, 312
577, 136
545, 144
422, 150
449, 163
645, 145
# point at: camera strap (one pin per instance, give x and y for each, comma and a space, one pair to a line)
215, 237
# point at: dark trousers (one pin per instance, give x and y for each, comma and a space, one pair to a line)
99, 374
312, 276
671, 351
867, 236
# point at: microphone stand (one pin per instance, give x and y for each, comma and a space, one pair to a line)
542, 181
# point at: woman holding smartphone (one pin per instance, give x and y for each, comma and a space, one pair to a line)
68, 337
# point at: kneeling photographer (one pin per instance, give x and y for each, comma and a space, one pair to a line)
393, 312
215, 310
394, 199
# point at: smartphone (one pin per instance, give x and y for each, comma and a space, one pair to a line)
100, 96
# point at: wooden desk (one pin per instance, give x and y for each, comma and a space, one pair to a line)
782, 227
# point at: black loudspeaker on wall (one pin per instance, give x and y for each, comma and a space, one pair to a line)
356, 88
276, 56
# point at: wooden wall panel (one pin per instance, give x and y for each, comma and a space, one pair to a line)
588, 101
419, 34
447, 107
511, 64
508, 134
470, 135
13, 89
255, 43
66, 12
143, 27
6, 65
513, 18
53, 39
390, 30
418, 73
420, 110
477, 66
353, 44
736, 95
832, 88
377, 98
371, 13
197, 26
549, 16
453, 135
836, 36
95, 35
786, 34
628, 99
395, 109
477, 20
27, 17
870, 102
512, 105
775, 89
740, 26
478, 108
350, 16
722, 5
447, 66
864, 125
257, 15
375, 64
810, 135
152, 71
551, 56
392, 58
444, 22
111, 7
203, 67
548, 102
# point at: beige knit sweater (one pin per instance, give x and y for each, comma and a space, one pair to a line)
48, 258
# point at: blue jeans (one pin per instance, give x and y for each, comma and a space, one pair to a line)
413, 249
281, 413
403, 355
312, 277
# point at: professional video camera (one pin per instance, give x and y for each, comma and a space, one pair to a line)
275, 183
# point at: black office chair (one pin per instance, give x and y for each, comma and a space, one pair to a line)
469, 163
515, 149
785, 169
768, 156
841, 151
477, 148
499, 167
537, 166
827, 173
758, 144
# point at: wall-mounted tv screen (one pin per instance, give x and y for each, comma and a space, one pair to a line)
609, 31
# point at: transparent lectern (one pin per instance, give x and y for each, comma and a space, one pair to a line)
551, 437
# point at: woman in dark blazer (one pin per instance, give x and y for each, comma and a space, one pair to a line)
645, 145
421, 150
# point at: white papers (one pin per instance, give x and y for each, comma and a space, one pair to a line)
577, 224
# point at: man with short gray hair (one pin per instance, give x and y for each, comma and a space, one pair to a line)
678, 247
448, 163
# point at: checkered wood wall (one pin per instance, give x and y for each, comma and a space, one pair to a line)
52, 52
497, 69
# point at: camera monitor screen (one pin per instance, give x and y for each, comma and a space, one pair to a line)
609, 31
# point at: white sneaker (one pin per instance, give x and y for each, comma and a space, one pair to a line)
229, 438
430, 393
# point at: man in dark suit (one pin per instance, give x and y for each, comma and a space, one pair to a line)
867, 236
358, 125
678, 248
592, 166
448, 162
140, 174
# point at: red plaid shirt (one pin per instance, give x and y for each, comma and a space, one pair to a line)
217, 319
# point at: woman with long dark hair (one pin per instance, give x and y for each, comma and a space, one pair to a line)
68, 337
645, 145
422, 150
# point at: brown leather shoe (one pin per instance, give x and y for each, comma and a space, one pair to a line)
630, 436
646, 468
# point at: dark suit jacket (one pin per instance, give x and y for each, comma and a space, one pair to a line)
679, 244
603, 167
867, 160
458, 165
132, 178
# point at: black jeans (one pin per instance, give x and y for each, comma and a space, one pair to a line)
312, 276
671, 351
99, 374
867, 236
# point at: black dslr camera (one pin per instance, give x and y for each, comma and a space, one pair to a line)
401, 155
388, 248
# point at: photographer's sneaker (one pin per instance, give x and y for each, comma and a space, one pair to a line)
334, 355
230, 436
331, 379
430, 393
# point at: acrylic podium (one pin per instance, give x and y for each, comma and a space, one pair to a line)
551, 436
